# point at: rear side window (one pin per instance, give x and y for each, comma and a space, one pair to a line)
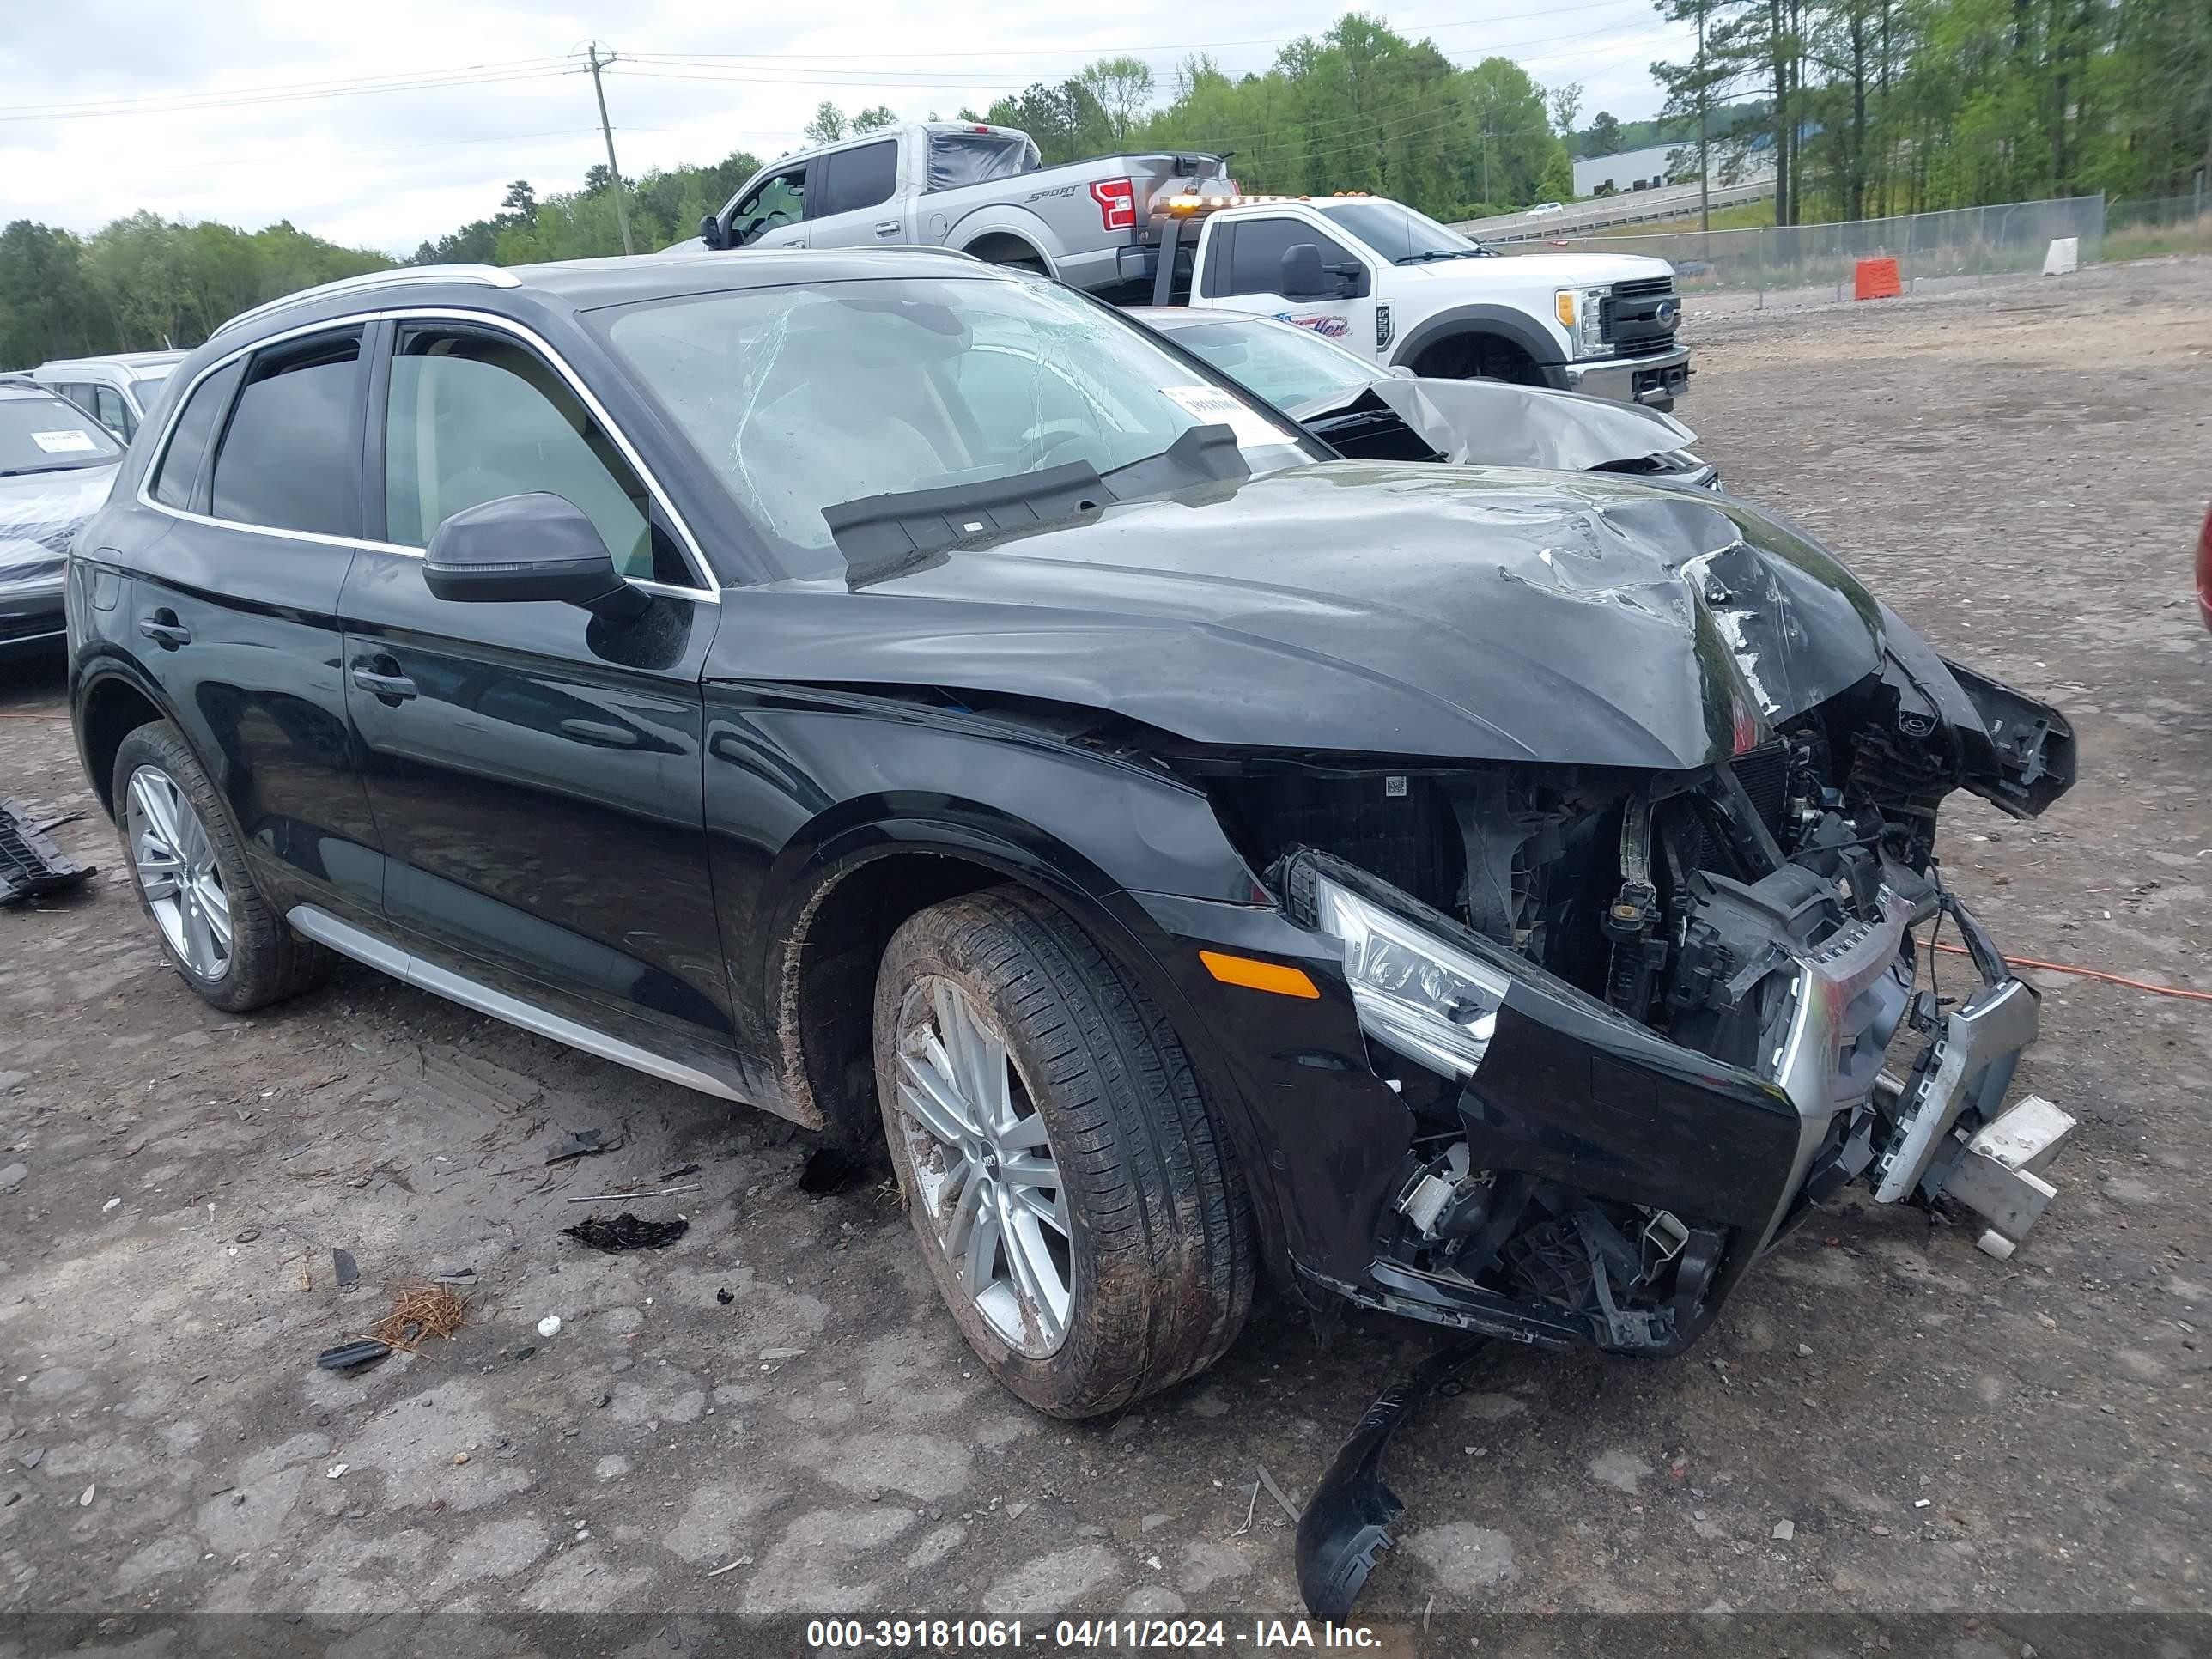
107, 403
180, 467
856, 179
977, 158
291, 458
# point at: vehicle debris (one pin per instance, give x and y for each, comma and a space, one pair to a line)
678, 1173
1347, 1524
463, 1277
31, 864
352, 1356
610, 1197
246, 1236
725, 1296
626, 1232
1277, 1493
346, 1269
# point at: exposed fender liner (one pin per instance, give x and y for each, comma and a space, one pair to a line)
1115, 920
1346, 1524
1003, 219
1502, 320
112, 665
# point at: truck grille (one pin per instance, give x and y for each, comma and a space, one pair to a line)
1640, 317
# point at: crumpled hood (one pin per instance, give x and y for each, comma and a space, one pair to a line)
39, 514
1385, 609
1492, 423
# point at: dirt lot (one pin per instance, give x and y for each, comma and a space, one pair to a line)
2018, 469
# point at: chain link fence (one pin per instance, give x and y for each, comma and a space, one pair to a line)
1961, 244
2159, 224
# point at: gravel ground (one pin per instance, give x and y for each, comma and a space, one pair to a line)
2019, 469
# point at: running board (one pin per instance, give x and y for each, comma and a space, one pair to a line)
349, 940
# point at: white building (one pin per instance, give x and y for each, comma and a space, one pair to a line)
1647, 168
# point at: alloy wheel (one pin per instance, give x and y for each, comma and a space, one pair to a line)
984, 1167
175, 862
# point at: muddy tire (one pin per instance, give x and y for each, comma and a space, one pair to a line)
217, 931
1085, 1223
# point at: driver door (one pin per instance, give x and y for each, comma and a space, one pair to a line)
773, 214
1249, 274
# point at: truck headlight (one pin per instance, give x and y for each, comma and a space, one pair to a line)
1414, 993
1581, 312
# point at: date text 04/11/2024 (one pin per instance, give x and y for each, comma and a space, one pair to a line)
1077, 1635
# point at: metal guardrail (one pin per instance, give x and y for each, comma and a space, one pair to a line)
1629, 207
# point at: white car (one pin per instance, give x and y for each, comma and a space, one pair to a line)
1544, 207
116, 390
1393, 415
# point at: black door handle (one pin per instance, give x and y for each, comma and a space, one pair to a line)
394, 688
165, 630
599, 734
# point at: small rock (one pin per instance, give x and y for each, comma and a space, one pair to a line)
770, 1355
249, 1235
84, 1502
550, 1325
606, 1401
1804, 1351
1878, 1530
336, 1470
33, 1458
13, 1177
1785, 1531
112, 1204
459, 1458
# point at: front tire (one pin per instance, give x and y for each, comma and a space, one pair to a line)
1084, 1220
217, 931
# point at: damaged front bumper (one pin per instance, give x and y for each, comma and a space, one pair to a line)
1585, 1179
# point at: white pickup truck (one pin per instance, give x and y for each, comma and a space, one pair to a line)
1166, 228
979, 189
1403, 291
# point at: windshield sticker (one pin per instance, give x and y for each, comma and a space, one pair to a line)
65, 443
1215, 407
1329, 328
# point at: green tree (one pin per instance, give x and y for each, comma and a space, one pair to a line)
1123, 88
828, 125
1602, 137
875, 120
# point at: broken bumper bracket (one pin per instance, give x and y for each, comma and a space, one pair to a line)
1347, 1525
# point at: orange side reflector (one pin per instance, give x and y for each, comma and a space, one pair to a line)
1259, 976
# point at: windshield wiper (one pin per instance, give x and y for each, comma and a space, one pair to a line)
886, 535
57, 466
1427, 254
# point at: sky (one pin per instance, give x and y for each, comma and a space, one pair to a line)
252, 111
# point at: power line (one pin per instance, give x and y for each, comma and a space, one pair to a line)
298, 91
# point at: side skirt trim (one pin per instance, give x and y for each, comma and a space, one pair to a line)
349, 941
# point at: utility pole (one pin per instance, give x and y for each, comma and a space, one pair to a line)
1704, 134
614, 173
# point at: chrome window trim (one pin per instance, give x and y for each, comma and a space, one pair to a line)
523, 334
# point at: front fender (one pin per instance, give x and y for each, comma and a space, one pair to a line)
1506, 321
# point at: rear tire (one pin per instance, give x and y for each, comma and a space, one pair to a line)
1152, 1238
215, 928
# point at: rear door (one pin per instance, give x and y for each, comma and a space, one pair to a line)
853, 200
1244, 268
237, 617
536, 773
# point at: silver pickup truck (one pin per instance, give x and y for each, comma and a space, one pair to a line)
1094, 225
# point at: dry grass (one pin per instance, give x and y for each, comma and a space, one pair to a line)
418, 1311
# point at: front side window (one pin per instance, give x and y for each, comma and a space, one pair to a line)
1286, 366
291, 458
1399, 235
781, 200
803, 399
473, 416
178, 469
107, 403
853, 179
1255, 259
42, 434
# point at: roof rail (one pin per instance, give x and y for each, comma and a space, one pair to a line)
488, 275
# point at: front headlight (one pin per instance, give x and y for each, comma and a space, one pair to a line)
1414, 994
1581, 312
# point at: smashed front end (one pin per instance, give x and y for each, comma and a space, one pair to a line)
1638, 1024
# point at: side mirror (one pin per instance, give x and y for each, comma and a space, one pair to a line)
710, 232
524, 548
1304, 277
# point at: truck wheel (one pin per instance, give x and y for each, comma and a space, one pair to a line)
215, 927
1084, 1221
1480, 357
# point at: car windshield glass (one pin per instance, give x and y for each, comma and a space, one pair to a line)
1398, 234
45, 434
808, 398
977, 158
1285, 365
